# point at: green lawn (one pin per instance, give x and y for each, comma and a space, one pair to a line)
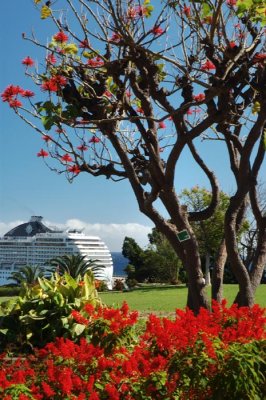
165, 299
169, 298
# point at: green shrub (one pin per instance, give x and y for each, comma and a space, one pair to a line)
43, 312
11, 290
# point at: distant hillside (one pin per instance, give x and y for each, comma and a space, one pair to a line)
120, 262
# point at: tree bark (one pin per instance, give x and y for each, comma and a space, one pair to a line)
218, 273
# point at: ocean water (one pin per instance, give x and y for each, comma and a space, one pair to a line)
120, 262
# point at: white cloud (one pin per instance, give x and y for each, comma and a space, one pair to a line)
112, 234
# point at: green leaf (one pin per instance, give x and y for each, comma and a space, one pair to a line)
47, 122
78, 329
264, 139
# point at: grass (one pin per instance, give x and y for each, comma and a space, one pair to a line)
167, 299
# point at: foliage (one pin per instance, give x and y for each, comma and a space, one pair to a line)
43, 311
75, 265
9, 290
28, 274
214, 355
158, 263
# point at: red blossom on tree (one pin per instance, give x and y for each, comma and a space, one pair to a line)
82, 147
28, 62
259, 58
157, 30
199, 97
67, 158
51, 59
161, 125
15, 103
27, 93
95, 62
208, 66
74, 169
84, 44
60, 37
187, 11
116, 37
94, 139
42, 153
47, 138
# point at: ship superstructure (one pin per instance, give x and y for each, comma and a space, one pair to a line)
33, 243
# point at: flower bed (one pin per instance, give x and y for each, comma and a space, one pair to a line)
214, 355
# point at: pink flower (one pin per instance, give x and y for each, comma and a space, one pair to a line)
67, 158
74, 169
208, 66
28, 62
42, 153
61, 37
51, 59
94, 139
199, 97
161, 125
27, 93
156, 30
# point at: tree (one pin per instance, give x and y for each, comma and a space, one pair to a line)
157, 263
75, 265
210, 234
131, 88
28, 274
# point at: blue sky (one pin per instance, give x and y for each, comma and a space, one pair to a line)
28, 187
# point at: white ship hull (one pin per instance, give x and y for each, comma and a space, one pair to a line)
17, 251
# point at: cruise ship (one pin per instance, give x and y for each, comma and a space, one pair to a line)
33, 243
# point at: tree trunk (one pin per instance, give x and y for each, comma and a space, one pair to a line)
218, 273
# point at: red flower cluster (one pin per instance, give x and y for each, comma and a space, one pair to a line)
94, 139
11, 93
67, 158
159, 365
208, 66
28, 62
60, 37
74, 169
42, 153
95, 62
157, 30
54, 84
199, 97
